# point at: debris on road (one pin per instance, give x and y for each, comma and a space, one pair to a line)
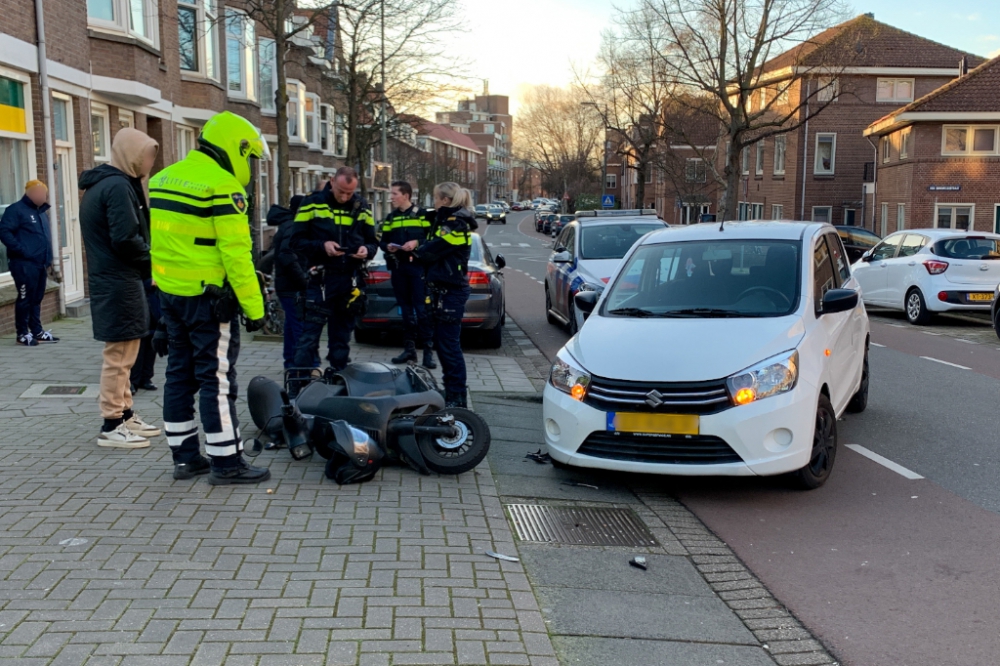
639, 562
539, 457
579, 485
501, 556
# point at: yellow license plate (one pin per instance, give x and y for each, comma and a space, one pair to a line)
980, 297
658, 424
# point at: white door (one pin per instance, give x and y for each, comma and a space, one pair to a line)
873, 275
901, 269
836, 327
67, 209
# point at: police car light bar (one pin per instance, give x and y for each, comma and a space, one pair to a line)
630, 212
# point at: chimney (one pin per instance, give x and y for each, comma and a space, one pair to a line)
486, 86
963, 66
871, 15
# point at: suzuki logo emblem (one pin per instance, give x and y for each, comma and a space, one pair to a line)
654, 398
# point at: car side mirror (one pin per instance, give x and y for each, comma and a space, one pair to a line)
839, 300
586, 301
561, 256
500, 261
867, 256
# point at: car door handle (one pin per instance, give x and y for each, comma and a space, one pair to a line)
883, 265
912, 263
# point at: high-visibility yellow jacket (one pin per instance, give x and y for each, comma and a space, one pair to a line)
446, 255
401, 227
200, 232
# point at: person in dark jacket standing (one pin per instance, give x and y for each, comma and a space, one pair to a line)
24, 230
114, 219
334, 229
446, 256
405, 229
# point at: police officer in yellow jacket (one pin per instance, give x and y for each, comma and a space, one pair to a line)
202, 264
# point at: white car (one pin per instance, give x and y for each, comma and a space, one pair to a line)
924, 271
715, 352
586, 253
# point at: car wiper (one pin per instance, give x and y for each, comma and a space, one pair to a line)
632, 312
703, 312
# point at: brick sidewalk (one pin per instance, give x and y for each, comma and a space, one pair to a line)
105, 559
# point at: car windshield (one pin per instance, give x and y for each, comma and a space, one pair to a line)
612, 241
733, 278
567, 218
480, 207
967, 247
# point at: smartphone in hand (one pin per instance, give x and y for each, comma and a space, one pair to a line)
394, 246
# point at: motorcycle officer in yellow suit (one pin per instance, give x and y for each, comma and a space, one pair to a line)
202, 264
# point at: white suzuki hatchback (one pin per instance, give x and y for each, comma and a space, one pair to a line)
715, 350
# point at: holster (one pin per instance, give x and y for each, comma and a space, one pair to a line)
225, 305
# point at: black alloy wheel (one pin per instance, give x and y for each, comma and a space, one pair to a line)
824, 449
859, 401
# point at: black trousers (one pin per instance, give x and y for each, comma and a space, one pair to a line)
202, 360
145, 363
411, 295
449, 308
29, 278
336, 312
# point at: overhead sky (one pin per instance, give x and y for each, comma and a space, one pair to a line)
516, 44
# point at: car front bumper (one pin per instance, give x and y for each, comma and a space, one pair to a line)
771, 436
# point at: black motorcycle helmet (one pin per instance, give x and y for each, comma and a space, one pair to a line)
355, 457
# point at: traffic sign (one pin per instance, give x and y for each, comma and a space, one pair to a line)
608, 201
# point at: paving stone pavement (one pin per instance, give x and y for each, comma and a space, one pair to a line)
106, 560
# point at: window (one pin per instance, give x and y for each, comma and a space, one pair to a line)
827, 90
99, 130
198, 40
745, 158
60, 118
900, 217
904, 142
326, 116
241, 66
489, 129
757, 211
296, 111
759, 165
911, 245
611, 181
886, 149
849, 216
996, 219
312, 120
822, 214
824, 277
267, 80
971, 140
826, 154
953, 216
136, 18
186, 140
779, 154
884, 219
841, 264
894, 90
695, 170
341, 136
125, 119
777, 212
648, 178
887, 248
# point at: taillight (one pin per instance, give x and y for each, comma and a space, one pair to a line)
935, 267
478, 278
375, 277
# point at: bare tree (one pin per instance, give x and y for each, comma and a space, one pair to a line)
720, 57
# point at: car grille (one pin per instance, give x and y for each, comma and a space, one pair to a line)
676, 397
663, 449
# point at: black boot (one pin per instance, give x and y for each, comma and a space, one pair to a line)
189, 470
240, 474
409, 353
429, 359
455, 399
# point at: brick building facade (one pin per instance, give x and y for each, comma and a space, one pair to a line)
487, 121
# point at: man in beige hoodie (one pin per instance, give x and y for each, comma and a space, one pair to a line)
114, 218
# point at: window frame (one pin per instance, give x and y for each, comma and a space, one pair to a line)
122, 20
829, 217
900, 216
99, 110
206, 39
777, 211
831, 282
745, 161
970, 138
886, 148
894, 99
884, 219
833, 154
611, 181
182, 132
782, 141
954, 215
312, 138
827, 89
759, 159
266, 56
328, 124
905, 139
246, 41
298, 116
691, 170
126, 113
340, 135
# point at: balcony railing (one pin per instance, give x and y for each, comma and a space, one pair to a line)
869, 172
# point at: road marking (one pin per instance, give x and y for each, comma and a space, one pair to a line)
508, 245
929, 333
885, 462
897, 325
875, 344
524, 244
968, 342
937, 360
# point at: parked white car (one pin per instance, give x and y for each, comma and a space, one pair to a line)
924, 271
713, 352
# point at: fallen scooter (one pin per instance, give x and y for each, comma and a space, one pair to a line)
367, 415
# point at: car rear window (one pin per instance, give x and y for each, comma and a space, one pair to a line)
967, 247
612, 241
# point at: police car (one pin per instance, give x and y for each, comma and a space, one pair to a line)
586, 253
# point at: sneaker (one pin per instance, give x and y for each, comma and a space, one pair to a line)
28, 340
122, 438
46, 336
191, 469
241, 474
141, 428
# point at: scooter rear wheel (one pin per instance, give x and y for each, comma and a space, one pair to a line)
458, 454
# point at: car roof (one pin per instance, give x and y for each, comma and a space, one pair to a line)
613, 221
764, 230
937, 234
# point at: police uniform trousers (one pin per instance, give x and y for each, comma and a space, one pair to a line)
330, 310
411, 295
449, 308
202, 359
30, 280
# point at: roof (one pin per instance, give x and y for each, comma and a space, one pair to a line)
443, 133
938, 234
865, 42
974, 93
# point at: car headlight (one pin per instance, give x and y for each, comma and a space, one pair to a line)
774, 376
590, 286
569, 378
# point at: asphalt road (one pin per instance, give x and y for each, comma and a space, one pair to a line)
886, 569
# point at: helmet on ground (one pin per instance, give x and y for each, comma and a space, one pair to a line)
355, 457
232, 141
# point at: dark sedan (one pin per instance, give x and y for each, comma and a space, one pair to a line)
561, 221
857, 241
485, 311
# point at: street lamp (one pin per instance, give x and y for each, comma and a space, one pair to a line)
604, 149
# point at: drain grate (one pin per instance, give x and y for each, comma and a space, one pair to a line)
64, 390
580, 526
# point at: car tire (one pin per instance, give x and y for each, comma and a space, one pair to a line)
916, 308
996, 322
364, 336
859, 401
493, 338
551, 318
824, 449
572, 326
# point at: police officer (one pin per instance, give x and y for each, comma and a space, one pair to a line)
334, 229
202, 264
446, 257
404, 229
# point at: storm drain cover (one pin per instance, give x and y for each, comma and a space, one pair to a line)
64, 390
579, 526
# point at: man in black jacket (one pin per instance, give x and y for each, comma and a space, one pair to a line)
24, 230
114, 219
